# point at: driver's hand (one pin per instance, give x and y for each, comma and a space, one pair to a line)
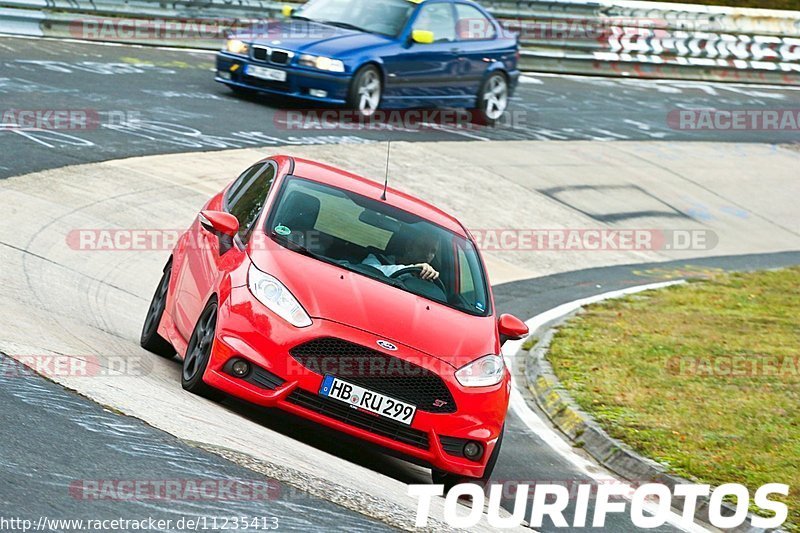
428, 272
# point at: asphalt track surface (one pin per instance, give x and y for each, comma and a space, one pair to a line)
175, 107
64, 453
154, 101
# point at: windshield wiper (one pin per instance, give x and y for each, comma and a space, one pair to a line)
345, 25
338, 24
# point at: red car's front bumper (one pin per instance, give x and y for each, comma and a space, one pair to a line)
247, 330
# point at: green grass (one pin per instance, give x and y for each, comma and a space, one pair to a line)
643, 366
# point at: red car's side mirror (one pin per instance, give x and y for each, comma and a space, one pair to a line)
219, 222
511, 328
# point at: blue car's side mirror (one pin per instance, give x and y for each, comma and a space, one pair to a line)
422, 37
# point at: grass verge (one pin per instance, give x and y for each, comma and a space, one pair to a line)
703, 377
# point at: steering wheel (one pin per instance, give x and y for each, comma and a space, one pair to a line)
416, 270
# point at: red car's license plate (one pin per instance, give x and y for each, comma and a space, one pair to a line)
374, 402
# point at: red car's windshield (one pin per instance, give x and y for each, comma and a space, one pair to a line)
379, 241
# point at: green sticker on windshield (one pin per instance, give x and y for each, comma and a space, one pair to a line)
282, 230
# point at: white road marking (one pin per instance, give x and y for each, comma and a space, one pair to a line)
550, 437
454, 131
646, 81
609, 133
106, 43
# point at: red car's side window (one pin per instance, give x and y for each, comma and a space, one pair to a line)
247, 196
237, 187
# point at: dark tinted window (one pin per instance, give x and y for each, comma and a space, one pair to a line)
247, 195
236, 188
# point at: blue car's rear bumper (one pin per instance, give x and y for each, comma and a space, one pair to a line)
299, 81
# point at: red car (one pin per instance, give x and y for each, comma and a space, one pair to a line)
316, 291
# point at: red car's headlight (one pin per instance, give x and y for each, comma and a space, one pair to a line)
483, 372
274, 294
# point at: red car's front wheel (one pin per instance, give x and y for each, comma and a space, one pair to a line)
198, 354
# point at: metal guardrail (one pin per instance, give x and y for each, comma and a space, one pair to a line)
626, 38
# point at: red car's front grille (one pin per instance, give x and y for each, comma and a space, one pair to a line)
373, 423
376, 371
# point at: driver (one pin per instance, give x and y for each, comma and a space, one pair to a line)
418, 251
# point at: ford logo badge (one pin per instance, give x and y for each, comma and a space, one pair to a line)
387, 345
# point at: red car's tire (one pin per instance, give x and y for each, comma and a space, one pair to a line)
150, 340
198, 354
449, 480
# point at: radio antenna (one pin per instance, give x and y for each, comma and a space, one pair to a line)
386, 178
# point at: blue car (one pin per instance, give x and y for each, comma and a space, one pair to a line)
371, 54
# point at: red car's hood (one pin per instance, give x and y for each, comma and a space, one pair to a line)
333, 293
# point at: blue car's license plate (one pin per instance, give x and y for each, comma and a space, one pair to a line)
265, 73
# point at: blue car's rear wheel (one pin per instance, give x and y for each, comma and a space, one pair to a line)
493, 98
366, 91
